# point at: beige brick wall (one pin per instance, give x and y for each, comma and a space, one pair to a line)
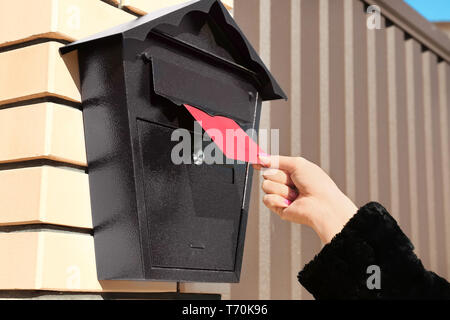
54, 196
23, 20
42, 131
40, 121
38, 71
57, 261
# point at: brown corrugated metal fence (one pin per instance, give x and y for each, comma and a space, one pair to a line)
371, 107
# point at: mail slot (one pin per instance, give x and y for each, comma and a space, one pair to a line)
155, 219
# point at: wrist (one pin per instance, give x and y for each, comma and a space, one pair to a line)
327, 231
333, 223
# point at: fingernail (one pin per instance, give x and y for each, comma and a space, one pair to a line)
268, 172
292, 195
264, 159
288, 202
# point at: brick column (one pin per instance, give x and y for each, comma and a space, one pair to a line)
46, 242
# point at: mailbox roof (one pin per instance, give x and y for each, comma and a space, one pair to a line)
140, 27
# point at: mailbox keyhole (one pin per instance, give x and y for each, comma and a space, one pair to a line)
198, 157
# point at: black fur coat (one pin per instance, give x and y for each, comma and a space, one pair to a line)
371, 238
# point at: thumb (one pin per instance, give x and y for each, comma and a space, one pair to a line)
288, 164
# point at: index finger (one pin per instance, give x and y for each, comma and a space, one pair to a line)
278, 176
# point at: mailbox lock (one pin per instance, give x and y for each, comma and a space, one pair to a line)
146, 57
198, 157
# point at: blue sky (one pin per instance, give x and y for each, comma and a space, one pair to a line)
433, 10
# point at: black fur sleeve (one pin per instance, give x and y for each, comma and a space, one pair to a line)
371, 238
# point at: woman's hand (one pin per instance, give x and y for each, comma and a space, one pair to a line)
301, 192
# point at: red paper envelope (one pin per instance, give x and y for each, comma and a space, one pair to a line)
228, 136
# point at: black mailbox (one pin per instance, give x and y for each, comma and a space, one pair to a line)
154, 220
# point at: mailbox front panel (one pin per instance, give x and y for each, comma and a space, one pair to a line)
193, 211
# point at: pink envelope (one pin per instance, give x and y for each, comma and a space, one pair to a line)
228, 136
